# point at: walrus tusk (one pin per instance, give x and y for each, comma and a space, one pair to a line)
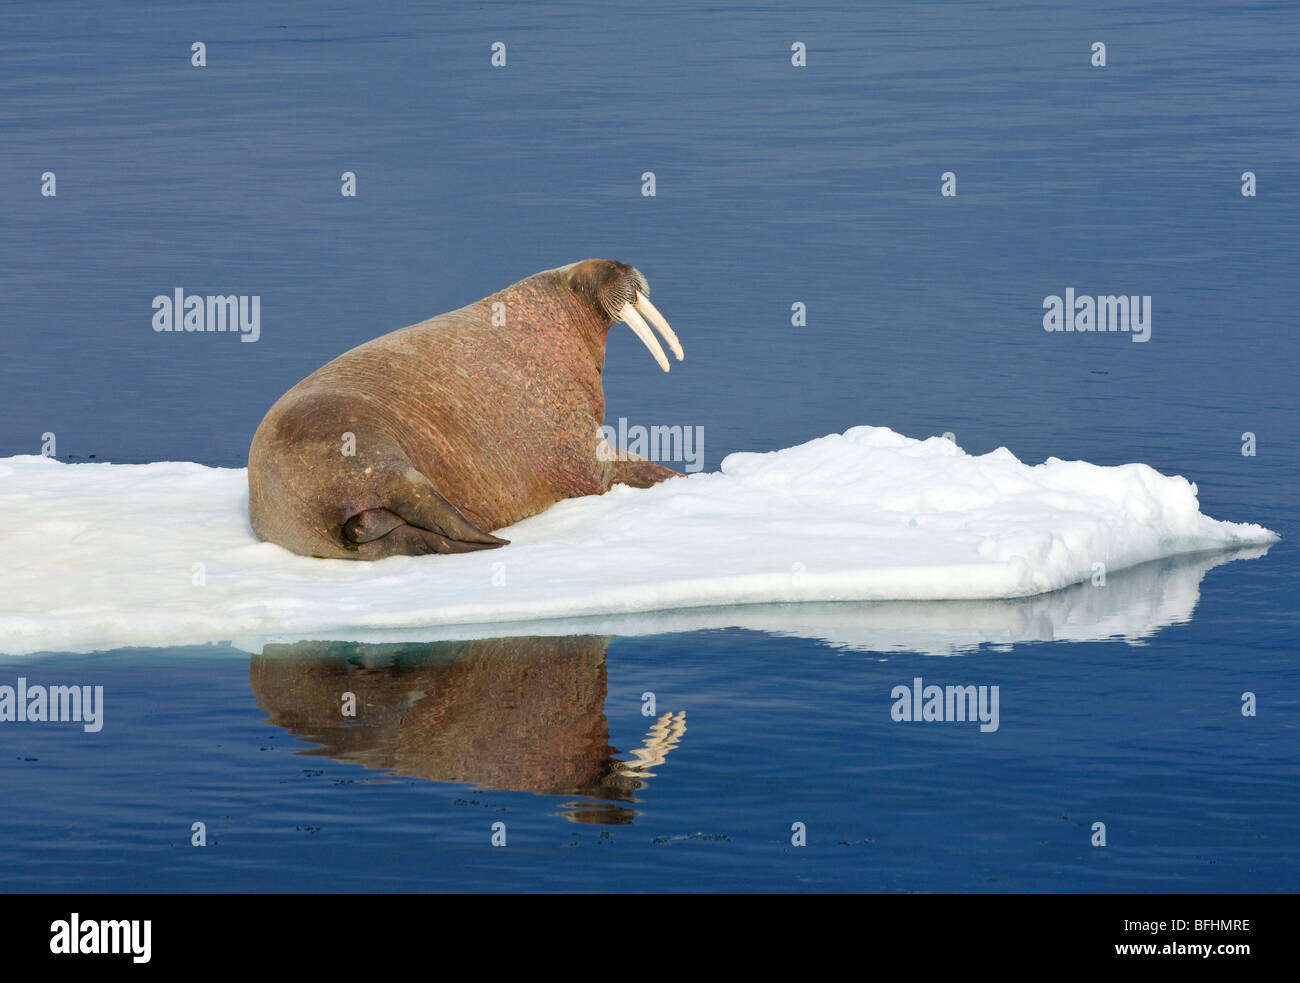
642, 330
651, 314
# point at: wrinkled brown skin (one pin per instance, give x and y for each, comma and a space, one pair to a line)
461, 426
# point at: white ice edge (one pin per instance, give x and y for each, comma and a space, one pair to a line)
99, 556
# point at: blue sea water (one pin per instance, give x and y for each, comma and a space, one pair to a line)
775, 185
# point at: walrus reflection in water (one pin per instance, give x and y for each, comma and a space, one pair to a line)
524, 714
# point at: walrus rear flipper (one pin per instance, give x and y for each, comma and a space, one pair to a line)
417, 521
366, 527
409, 540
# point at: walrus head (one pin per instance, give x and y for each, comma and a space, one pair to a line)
621, 293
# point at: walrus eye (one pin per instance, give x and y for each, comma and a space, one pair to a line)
634, 320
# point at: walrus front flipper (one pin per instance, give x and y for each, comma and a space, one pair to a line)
417, 521
627, 468
641, 474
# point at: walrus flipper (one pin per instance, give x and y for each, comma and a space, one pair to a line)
627, 468
409, 540
417, 521
641, 474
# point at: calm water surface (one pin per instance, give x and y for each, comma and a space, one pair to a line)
775, 185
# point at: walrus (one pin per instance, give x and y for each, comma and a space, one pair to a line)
426, 439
